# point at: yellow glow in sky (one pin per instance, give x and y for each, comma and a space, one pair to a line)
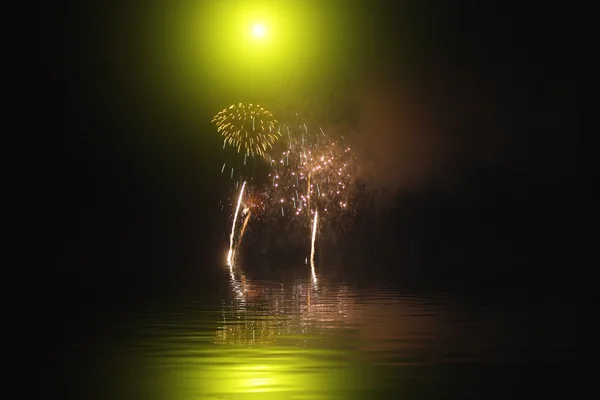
259, 30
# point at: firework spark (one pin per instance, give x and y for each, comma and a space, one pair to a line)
248, 127
258, 200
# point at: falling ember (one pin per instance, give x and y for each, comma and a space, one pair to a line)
237, 210
314, 235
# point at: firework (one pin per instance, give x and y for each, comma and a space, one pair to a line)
312, 171
257, 200
308, 170
249, 127
254, 203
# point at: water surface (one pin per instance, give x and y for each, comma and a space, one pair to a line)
303, 335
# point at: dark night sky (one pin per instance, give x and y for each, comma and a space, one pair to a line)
113, 191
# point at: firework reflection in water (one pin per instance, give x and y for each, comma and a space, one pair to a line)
301, 308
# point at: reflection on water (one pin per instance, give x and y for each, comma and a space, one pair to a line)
305, 336
263, 312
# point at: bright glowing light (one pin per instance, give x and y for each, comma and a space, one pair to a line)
259, 31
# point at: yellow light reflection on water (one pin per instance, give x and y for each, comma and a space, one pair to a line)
271, 355
264, 372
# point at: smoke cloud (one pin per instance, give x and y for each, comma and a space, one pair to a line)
411, 134
400, 143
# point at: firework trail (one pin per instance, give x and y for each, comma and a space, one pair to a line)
237, 210
312, 248
314, 235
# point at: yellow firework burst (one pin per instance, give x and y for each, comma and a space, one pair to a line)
247, 127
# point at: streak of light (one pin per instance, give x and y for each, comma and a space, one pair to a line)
314, 235
237, 210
